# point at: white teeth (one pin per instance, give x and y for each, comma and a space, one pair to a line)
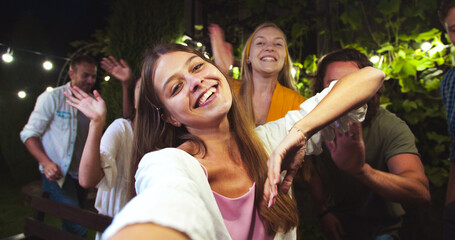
206, 95
268, 59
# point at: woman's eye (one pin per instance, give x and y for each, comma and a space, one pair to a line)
197, 67
279, 44
259, 43
175, 89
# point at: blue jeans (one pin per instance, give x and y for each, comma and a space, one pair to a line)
71, 194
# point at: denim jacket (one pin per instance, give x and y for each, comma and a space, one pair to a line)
55, 123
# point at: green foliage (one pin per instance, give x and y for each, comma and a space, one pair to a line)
395, 31
134, 27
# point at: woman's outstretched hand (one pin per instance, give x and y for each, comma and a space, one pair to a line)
119, 70
92, 108
287, 156
221, 50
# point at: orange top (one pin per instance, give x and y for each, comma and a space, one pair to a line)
283, 100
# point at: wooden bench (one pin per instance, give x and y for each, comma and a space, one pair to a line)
35, 228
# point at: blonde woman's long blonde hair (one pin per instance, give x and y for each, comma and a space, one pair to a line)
246, 72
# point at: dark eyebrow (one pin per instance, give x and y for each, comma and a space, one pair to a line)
187, 62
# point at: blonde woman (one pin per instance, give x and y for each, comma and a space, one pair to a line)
266, 87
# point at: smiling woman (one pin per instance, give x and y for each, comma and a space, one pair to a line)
191, 90
202, 167
266, 86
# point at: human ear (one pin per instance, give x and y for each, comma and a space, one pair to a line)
171, 120
71, 74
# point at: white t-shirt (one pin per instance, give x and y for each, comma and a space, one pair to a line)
115, 148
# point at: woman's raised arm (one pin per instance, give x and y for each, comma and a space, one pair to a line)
350, 92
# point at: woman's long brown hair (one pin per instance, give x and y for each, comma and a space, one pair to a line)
152, 133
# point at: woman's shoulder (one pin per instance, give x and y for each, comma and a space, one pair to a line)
120, 124
169, 162
291, 93
169, 157
168, 153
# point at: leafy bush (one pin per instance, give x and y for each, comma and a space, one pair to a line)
394, 32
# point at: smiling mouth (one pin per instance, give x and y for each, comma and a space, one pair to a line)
203, 99
268, 59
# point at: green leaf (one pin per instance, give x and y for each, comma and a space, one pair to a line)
437, 176
409, 105
427, 35
389, 7
437, 137
409, 69
353, 17
423, 64
310, 64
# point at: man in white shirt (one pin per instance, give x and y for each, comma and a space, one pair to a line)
55, 135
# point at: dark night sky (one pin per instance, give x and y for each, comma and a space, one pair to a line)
48, 27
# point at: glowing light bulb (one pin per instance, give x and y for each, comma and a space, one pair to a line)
47, 65
374, 59
198, 44
21, 94
49, 89
107, 78
426, 46
293, 72
8, 56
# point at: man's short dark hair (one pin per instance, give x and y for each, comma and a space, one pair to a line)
81, 59
346, 55
341, 55
444, 9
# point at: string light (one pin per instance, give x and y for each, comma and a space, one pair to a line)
374, 59
426, 46
8, 56
293, 72
107, 78
49, 89
22, 94
47, 65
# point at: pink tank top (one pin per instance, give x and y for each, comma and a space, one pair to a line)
240, 216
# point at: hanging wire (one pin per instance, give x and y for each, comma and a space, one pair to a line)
33, 52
